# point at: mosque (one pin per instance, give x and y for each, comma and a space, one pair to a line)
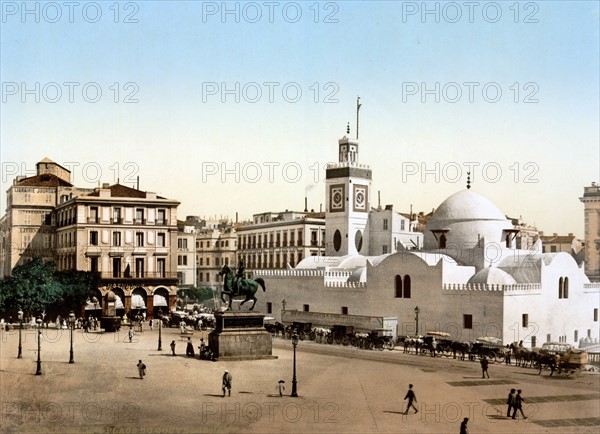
467, 277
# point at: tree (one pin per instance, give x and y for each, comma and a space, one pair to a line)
196, 295
36, 287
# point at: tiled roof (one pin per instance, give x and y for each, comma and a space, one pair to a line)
118, 190
43, 180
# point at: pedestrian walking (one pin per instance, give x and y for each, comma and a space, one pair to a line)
173, 347
130, 334
151, 324
510, 401
518, 405
507, 355
189, 351
410, 395
281, 387
463, 426
141, 369
226, 383
484, 367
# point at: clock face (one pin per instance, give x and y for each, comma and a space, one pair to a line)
336, 195
360, 197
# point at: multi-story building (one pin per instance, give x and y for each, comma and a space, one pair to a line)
28, 227
215, 247
281, 240
591, 200
127, 235
560, 243
186, 255
527, 235
392, 231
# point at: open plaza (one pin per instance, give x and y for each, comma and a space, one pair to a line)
340, 389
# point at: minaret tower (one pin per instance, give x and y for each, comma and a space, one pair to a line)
348, 186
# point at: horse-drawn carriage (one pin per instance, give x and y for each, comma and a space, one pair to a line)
561, 357
489, 347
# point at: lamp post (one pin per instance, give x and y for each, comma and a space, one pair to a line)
159, 330
72, 327
20, 313
39, 360
294, 384
417, 310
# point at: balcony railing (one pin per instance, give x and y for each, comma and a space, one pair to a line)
161, 222
92, 220
136, 275
140, 221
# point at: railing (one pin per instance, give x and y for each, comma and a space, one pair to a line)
594, 358
92, 220
140, 221
144, 275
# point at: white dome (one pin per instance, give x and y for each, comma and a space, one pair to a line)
466, 217
493, 276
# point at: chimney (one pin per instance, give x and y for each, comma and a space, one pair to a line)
305, 204
138, 183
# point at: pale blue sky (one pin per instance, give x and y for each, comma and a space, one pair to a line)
175, 133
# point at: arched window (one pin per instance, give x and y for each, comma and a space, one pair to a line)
398, 286
406, 286
560, 288
566, 288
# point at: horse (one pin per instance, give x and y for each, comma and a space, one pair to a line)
550, 360
460, 347
522, 355
239, 287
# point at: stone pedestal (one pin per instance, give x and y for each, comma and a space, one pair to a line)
240, 336
110, 324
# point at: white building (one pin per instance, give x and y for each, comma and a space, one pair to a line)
469, 279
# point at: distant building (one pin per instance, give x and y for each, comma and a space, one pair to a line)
186, 255
215, 246
281, 240
591, 200
28, 228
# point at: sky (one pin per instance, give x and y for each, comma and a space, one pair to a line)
236, 107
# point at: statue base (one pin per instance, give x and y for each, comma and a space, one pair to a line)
240, 336
110, 323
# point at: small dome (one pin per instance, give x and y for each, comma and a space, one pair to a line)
492, 276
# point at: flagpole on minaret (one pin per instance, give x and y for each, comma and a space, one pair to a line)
358, 104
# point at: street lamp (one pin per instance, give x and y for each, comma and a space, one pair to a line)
159, 330
20, 313
294, 385
72, 327
417, 310
39, 360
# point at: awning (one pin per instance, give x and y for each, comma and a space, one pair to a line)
137, 302
119, 303
91, 306
160, 301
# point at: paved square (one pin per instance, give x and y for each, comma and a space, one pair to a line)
341, 389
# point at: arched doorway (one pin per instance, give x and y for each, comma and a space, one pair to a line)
93, 305
120, 301
138, 302
161, 302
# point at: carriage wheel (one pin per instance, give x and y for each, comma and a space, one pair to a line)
390, 345
301, 335
354, 341
345, 341
330, 339
379, 344
337, 340
312, 335
499, 357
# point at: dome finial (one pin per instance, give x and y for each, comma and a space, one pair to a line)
468, 180
348, 128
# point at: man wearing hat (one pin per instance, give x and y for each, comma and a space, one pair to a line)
281, 387
226, 383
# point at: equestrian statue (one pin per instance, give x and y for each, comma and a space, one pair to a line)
236, 285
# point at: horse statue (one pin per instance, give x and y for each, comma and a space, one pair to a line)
239, 287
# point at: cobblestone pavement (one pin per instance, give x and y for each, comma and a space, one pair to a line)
340, 389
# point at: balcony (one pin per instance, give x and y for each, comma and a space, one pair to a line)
139, 221
90, 220
117, 220
135, 278
161, 222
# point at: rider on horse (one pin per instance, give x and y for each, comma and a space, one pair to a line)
240, 280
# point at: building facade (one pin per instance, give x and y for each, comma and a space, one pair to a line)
469, 279
591, 200
126, 235
281, 240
